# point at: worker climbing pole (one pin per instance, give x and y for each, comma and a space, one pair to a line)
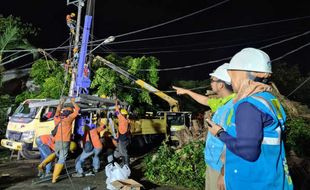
71, 23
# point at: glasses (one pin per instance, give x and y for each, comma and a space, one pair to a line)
213, 80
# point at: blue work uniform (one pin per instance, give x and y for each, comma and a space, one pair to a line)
269, 170
214, 147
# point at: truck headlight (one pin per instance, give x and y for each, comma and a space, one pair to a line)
27, 136
7, 134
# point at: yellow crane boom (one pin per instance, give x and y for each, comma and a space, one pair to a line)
174, 104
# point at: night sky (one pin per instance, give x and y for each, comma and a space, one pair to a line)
113, 17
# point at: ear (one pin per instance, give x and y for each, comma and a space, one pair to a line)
221, 85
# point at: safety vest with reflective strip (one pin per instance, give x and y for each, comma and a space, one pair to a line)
270, 170
214, 147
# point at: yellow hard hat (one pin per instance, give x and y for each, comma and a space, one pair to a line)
124, 112
73, 146
72, 14
103, 121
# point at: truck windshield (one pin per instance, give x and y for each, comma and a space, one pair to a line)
176, 119
24, 110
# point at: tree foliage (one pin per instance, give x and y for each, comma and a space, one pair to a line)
288, 78
109, 83
183, 167
5, 104
50, 77
13, 35
298, 136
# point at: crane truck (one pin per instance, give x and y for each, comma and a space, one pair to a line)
164, 122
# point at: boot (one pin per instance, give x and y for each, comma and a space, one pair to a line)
57, 170
47, 160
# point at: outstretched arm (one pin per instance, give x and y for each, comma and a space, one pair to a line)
198, 97
59, 107
76, 108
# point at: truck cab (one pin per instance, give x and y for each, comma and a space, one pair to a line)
25, 124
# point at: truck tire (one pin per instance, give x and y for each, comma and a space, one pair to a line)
30, 154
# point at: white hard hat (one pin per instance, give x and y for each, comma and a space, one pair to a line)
251, 59
221, 73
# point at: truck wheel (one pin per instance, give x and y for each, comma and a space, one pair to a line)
29, 154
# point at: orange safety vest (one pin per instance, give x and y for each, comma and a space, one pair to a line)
48, 140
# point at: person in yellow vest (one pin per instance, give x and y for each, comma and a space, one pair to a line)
214, 152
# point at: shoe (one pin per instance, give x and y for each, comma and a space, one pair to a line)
40, 173
57, 170
95, 170
77, 175
90, 173
48, 175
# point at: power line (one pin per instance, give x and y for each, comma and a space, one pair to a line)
169, 36
198, 49
173, 20
11, 60
298, 87
290, 52
269, 38
285, 40
211, 31
227, 58
39, 50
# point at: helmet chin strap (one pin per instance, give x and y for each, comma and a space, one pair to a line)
258, 79
262, 80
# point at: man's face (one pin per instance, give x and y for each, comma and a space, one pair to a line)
215, 82
236, 78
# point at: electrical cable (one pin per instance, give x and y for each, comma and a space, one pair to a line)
16, 58
174, 47
227, 58
193, 50
208, 31
298, 87
171, 21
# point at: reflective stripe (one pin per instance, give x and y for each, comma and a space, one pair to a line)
270, 140
265, 102
273, 140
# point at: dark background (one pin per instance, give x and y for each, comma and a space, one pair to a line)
113, 17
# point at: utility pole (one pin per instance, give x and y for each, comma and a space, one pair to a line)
79, 4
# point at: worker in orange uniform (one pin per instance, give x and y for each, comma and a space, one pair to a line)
63, 121
123, 134
91, 146
46, 146
71, 23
